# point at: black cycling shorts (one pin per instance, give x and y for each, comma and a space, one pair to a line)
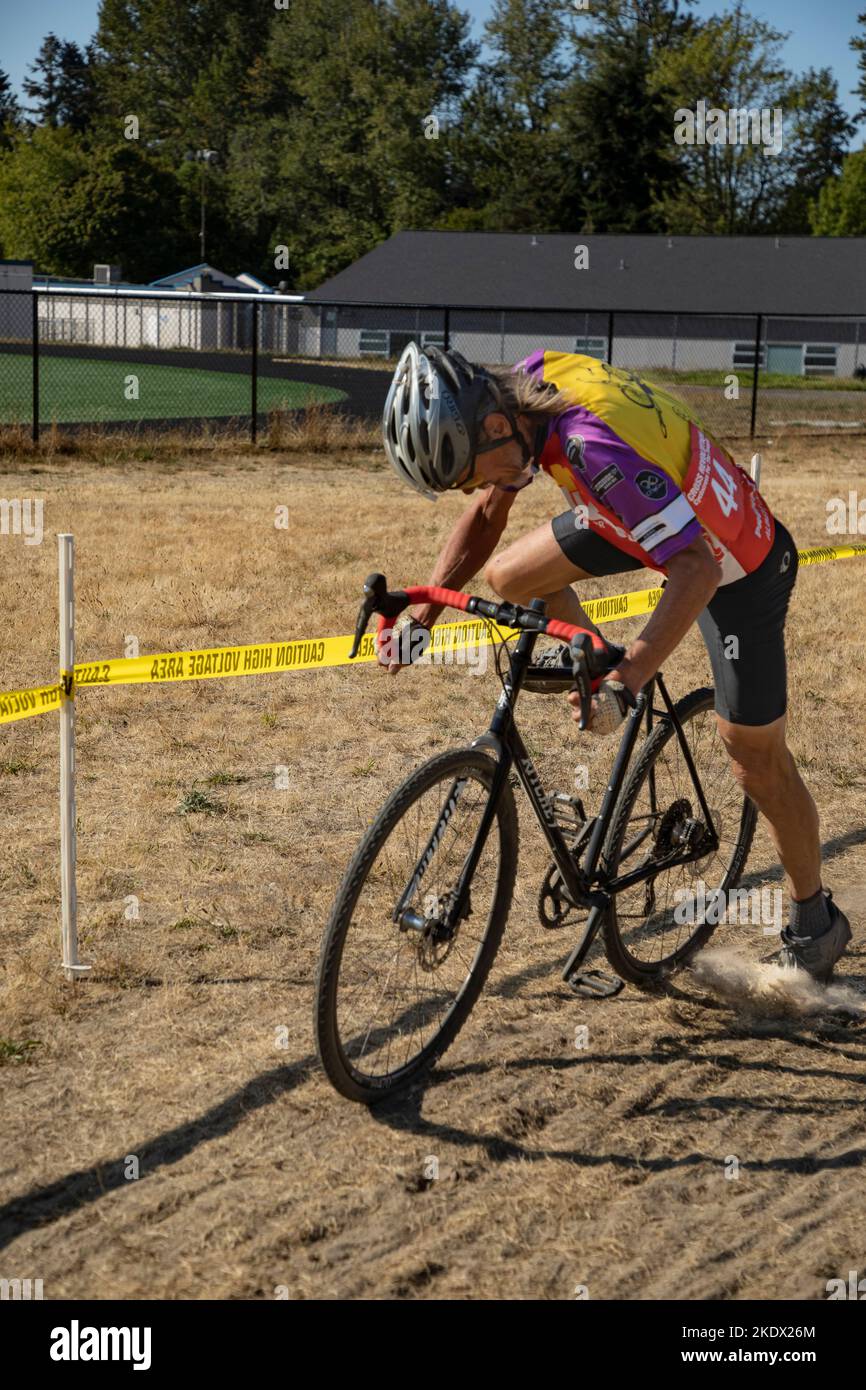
749, 674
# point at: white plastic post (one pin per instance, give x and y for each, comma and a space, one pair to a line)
756, 469
68, 898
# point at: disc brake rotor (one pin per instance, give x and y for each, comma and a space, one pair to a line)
433, 945
664, 842
697, 866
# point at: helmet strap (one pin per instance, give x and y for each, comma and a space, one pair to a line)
516, 435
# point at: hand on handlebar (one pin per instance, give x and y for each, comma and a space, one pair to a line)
608, 707
403, 646
609, 704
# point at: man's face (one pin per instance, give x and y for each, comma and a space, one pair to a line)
502, 466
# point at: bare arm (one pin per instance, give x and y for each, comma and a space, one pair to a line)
472, 541
693, 577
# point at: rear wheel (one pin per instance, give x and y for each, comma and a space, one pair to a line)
392, 995
658, 924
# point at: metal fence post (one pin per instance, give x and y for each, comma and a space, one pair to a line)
758, 331
35, 362
254, 403
610, 337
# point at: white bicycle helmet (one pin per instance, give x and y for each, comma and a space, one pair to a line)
435, 405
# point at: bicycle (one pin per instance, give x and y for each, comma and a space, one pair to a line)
427, 893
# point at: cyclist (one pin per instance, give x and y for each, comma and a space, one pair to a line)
645, 485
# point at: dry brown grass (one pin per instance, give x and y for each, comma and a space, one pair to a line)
318, 429
602, 1167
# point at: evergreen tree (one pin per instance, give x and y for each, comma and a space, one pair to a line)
817, 134
348, 139
182, 69
732, 63
510, 155
619, 117
43, 87
841, 205
10, 111
858, 43
62, 85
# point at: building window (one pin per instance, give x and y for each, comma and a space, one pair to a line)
385, 342
743, 355
374, 342
592, 347
819, 359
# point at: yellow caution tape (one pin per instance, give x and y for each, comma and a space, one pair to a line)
23, 704
309, 654
821, 553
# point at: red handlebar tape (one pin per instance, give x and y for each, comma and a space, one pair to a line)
454, 598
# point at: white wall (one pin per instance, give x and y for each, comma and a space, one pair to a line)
116, 321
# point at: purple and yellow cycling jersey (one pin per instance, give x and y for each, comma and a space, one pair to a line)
648, 476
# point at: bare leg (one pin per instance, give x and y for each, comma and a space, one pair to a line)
535, 567
765, 768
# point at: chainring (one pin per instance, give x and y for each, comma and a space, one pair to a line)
554, 905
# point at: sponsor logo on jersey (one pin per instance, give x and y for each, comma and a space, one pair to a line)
602, 483
652, 485
702, 461
761, 516
575, 451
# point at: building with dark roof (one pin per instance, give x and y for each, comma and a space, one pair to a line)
644, 301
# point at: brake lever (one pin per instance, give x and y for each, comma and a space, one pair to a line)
377, 600
582, 679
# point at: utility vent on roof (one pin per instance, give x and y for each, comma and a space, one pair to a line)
106, 274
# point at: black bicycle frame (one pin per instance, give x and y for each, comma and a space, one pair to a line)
586, 884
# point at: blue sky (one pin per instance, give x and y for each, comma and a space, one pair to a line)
819, 31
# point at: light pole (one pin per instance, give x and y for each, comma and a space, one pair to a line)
207, 157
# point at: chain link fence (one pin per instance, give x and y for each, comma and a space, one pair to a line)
120, 359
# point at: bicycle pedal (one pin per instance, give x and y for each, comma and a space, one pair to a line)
595, 984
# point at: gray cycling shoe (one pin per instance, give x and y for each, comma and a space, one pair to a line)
816, 955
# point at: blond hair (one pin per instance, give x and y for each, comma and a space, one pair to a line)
524, 394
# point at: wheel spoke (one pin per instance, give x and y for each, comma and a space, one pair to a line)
395, 989
652, 935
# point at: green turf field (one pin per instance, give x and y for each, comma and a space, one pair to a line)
86, 390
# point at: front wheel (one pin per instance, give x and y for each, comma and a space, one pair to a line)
658, 924
396, 982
